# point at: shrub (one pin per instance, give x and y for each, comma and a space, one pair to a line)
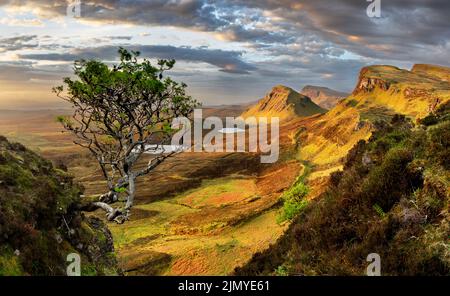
281, 271
387, 182
293, 202
439, 141
429, 120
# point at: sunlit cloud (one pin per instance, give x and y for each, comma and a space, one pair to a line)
228, 51
15, 22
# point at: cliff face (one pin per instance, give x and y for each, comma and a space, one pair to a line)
367, 84
413, 93
285, 103
39, 221
323, 96
372, 77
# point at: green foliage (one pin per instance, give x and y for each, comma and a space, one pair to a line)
429, 120
379, 210
122, 91
389, 140
386, 183
9, 263
296, 193
281, 271
88, 270
64, 120
439, 143
120, 189
14, 175
293, 202
351, 103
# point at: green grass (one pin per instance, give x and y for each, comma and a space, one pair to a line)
218, 192
9, 263
158, 224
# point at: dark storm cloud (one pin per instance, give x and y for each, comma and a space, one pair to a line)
18, 43
405, 29
226, 61
26, 71
303, 41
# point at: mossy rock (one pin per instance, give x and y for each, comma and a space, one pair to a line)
39, 221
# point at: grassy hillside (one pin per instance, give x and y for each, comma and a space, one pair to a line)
438, 72
392, 198
39, 221
285, 103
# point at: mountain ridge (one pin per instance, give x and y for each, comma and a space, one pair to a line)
283, 102
325, 97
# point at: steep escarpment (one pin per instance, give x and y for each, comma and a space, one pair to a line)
414, 93
391, 198
381, 92
323, 96
285, 103
40, 224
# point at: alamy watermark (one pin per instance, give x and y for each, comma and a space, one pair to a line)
234, 133
374, 8
74, 9
74, 267
374, 268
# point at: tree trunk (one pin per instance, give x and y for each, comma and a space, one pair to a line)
131, 191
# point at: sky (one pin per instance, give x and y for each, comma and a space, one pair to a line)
228, 52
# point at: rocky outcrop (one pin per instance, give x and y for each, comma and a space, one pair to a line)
367, 84
374, 77
39, 221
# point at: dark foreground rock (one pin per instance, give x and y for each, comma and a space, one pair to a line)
39, 221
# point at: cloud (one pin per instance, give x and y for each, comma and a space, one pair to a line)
405, 32
118, 37
15, 22
18, 43
28, 71
407, 29
226, 61
292, 42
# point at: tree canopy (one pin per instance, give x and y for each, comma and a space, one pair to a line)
121, 112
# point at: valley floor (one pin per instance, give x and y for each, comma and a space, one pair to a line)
208, 218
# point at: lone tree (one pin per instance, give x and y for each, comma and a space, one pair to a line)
120, 113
